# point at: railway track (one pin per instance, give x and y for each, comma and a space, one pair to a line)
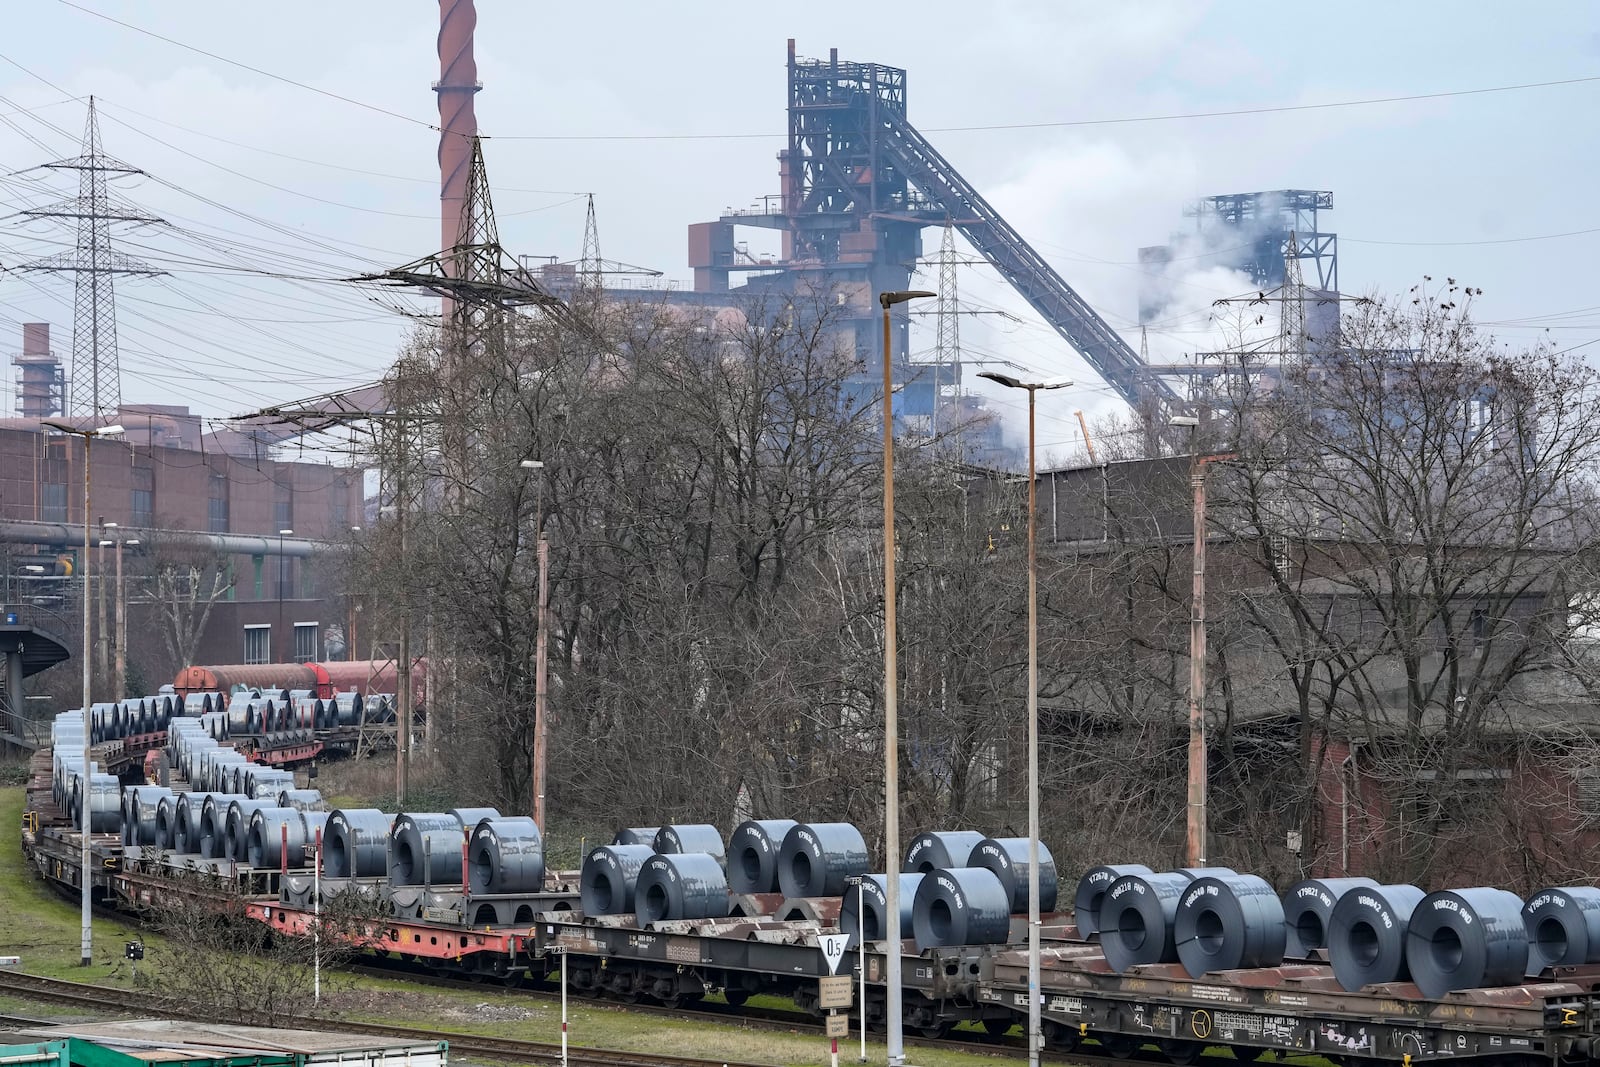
102, 999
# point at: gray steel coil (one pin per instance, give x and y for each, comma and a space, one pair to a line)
1204, 872
610, 878
1227, 923
347, 707
425, 849
267, 782
681, 885
505, 856
941, 848
187, 832
637, 835
1307, 908
139, 809
1563, 927
264, 843
356, 844
471, 817
1136, 917
104, 805
238, 827
302, 799
873, 896
1467, 939
316, 824
1092, 890
1367, 935
167, 822
818, 858
753, 849
1007, 857
214, 825
960, 906
690, 838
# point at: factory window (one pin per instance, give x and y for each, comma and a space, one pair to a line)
217, 507
284, 568
283, 506
341, 506
142, 504
53, 502
259, 562
258, 644
305, 641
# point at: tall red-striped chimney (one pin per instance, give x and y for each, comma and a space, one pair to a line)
458, 124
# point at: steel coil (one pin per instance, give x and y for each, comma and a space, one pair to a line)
960, 906
471, 817
186, 831
1307, 909
1227, 923
1563, 928
610, 878
505, 856
690, 838
1467, 939
140, 806
356, 844
1092, 890
681, 885
873, 895
941, 848
301, 799
214, 824
348, 708
167, 822
817, 859
264, 841
637, 835
1136, 918
238, 826
1192, 873
316, 824
105, 805
753, 849
425, 849
1367, 935
1007, 857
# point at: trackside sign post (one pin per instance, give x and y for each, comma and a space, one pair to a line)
835, 991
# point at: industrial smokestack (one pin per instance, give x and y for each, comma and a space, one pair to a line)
41, 385
458, 124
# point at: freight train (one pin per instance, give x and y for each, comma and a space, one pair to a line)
1182, 961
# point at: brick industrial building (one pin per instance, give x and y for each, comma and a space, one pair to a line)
211, 502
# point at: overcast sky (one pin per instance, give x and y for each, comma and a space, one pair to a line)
670, 113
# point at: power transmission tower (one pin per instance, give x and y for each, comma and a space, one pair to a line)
590, 265
947, 348
96, 382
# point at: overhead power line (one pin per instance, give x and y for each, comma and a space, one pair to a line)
1277, 109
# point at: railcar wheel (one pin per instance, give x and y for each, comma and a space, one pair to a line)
1248, 1053
736, 997
998, 1028
1059, 1036
1119, 1046
1180, 1051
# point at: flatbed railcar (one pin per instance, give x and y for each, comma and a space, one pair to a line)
1291, 1010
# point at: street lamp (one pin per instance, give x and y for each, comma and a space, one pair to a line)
891, 728
1035, 1031
86, 864
1195, 823
541, 649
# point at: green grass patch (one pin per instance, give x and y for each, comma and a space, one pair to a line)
43, 927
